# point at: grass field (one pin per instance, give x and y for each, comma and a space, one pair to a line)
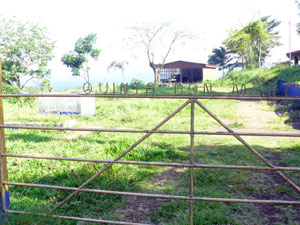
145, 114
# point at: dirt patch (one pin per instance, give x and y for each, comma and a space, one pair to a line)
169, 176
139, 209
255, 119
275, 213
253, 116
274, 188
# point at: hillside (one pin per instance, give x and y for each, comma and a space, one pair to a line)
263, 75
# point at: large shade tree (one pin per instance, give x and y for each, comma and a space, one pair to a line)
158, 41
78, 60
25, 50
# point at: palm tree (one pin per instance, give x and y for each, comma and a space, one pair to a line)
118, 65
220, 57
298, 24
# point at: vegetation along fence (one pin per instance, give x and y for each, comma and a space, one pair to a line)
192, 101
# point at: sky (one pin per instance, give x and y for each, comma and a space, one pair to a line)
68, 20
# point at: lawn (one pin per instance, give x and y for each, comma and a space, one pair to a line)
145, 114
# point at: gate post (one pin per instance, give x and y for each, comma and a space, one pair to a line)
4, 198
192, 130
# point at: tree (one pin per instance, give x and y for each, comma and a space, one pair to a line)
259, 37
253, 42
271, 25
46, 85
298, 24
78, 60
26, 50
239, 43
157, 40
120, 66
220, 57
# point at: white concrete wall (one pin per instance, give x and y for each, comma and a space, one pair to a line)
87, 106
209, 74
65, 105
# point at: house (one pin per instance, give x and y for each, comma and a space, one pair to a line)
294, 56
187, 72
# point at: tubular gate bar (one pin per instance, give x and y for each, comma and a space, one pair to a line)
193, 101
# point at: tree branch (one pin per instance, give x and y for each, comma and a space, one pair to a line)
31, 78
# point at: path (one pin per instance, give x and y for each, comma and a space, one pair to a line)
256, 119
253, 116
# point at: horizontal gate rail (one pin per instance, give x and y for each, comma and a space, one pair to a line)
224, 97
178, 197
146, 163
259, 134
75, 218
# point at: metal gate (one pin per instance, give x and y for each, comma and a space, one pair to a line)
192, 101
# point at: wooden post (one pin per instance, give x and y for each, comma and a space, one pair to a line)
192, 75
5, 201
180, 75
192, 129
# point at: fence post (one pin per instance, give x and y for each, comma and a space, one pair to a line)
5, 201
192, 159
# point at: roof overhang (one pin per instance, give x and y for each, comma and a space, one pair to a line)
295, 53
187, 65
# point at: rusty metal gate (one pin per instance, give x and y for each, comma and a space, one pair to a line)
192, 101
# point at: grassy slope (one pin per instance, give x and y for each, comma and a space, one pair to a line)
263, 75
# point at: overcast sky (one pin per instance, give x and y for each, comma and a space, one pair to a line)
67, 20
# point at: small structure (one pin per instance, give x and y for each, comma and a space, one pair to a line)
294, 56
67, 106
187, 72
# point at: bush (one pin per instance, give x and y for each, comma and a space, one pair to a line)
133, 82
9, 89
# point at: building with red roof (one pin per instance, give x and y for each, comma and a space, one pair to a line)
294, 56
187, 72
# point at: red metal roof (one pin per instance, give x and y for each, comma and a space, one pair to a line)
295, 53
187, 65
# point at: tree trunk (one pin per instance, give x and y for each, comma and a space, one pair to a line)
153, 67
19, 83
157, 74
87, 69
123, 74
156, 70
259, 54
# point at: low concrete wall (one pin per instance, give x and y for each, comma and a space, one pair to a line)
67, 106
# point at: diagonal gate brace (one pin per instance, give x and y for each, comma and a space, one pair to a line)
248, 146
120, 156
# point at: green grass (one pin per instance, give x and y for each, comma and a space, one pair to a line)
263, 75
140, 114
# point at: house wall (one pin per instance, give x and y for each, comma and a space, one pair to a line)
209, 74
